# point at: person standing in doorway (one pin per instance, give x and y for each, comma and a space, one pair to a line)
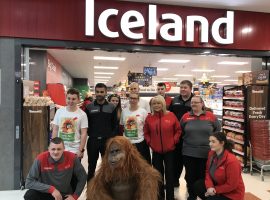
131, 124
179, 106
115, 99
135, 89
161, 133
161, 89
70, 123
102, 120
197, 126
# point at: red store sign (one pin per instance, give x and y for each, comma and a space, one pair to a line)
122, 22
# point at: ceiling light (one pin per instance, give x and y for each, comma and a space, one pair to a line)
231, 80
100, 82
231, 63
220, 76
96, 80
105, 67
173, 61
203, 70
172, 79
215, 82
183, 75
109, 58
246, 30
162, 69
102, 77
107, 73
204, 78
241, 72
223, 84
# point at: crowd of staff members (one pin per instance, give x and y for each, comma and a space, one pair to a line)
179, 132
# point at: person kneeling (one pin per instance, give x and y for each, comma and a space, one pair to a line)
223, 179
50, 175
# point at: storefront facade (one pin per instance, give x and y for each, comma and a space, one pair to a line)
115, 26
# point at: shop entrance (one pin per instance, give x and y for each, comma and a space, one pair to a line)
60, 69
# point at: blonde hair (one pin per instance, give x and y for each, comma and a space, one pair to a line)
159, 99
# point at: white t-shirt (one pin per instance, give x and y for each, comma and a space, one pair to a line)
142, 104
70, 125
133, 122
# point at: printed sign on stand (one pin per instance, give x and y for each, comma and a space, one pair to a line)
256, 78
139, 78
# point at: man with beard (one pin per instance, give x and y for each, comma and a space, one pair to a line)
102, 125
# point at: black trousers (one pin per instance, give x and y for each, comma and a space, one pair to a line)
35, 195
94, 147
200, 190
144, 150
161, 161
178, 160
195, 170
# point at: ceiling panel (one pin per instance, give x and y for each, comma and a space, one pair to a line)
80, 65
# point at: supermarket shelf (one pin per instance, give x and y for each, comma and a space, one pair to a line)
236, 141
238, 152
233, 129
234, 119
233, 108
235, 98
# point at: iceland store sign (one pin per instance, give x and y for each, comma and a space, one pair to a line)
133, 19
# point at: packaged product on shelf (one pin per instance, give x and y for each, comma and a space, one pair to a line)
233, 93
233, 124
238, 147
231, 135
239, 137
37, 101
239, 158
237, 104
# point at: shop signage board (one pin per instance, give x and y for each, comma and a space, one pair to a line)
256, 78
258, 102
170, 30
139, 78
135, 23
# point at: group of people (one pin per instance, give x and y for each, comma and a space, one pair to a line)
179, 131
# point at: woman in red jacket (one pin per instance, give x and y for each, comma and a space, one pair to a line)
223, 179
161, 133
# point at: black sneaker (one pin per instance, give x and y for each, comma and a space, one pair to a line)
191, 198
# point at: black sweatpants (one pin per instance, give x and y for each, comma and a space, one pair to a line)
144, 150
161, 161
94, 147
195, 170
178, 159
200, 190
36, 195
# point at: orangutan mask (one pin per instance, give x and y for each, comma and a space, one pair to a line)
116, 155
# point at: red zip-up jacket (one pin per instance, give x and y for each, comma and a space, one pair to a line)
162, 131
229, 182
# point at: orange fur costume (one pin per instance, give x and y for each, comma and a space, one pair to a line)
132, 169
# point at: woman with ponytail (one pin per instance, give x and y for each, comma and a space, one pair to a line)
223, 179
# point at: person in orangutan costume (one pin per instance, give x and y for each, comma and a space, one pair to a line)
123, 174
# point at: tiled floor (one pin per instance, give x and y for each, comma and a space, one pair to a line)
253, 185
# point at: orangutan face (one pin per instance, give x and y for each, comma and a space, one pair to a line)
116, 155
